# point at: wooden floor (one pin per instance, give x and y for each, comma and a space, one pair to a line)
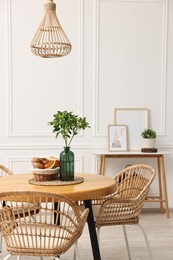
160, 234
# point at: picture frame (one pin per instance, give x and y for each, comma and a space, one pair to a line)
117, 137
136, 120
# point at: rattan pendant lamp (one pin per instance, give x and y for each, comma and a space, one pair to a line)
50, 41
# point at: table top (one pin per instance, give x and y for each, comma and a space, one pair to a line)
94, 186
131, 153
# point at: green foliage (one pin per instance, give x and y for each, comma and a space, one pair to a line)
67, 124
149, 133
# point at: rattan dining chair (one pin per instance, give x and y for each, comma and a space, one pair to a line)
124, 206
53, 230
3, 171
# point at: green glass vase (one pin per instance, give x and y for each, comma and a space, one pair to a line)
67, 165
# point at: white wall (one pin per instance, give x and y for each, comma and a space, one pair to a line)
122, 57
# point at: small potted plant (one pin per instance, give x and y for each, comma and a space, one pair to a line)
67, 125
149, 136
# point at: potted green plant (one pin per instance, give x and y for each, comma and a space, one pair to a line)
67, 125
149, 136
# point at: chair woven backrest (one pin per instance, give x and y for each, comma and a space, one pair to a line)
134, 180
4, 171
124, 206
55, 226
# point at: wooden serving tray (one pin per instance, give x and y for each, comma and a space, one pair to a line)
77, 180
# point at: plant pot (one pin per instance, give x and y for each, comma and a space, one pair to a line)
66, 165
149, 143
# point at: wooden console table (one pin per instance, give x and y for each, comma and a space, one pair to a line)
159, 156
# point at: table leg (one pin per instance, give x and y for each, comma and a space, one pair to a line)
164, 185
55, 215
160, 185
92, 231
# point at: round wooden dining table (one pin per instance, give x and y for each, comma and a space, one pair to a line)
92, 187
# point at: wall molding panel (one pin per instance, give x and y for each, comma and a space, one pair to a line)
14, 161
79, 163
96, 164
97, 131
80, 91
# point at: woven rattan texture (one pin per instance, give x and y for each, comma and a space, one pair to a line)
50, 40
58, 182
124, 206
4, 171
52, 231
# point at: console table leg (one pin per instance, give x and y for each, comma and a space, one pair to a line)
102, 165
164, 186
160, 184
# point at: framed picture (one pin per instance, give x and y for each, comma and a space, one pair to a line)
117, 137
136, 120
